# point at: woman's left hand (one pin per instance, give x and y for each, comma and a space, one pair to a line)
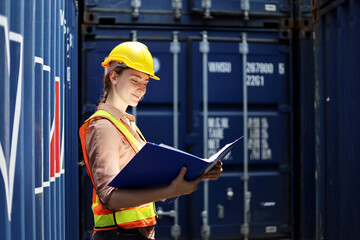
215, 172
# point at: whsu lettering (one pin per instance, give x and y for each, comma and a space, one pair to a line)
219, 67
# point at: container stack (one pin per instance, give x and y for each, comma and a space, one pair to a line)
337, 146
226, 70
38, 123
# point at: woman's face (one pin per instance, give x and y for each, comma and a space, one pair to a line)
131, 86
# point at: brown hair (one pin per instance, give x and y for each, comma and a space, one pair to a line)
107, 83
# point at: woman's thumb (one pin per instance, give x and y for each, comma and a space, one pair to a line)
182, 171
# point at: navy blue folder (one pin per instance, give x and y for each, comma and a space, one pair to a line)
157, 165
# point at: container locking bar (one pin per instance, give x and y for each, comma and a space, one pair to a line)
204, 49
244, 50
175, 50
134, 39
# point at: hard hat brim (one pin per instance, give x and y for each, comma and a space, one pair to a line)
154, 77
106, 64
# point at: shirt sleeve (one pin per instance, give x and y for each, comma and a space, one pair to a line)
108, 152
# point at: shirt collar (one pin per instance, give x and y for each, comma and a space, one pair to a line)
116, 113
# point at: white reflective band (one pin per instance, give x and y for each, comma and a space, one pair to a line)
113, 65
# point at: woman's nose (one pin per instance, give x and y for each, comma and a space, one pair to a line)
142, 88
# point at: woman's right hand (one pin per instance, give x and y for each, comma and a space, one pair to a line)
179, 186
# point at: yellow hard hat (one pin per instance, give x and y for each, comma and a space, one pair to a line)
134, 55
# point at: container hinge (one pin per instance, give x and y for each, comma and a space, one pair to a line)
305, 28
206, 6
135, 4
245, 8
177, 6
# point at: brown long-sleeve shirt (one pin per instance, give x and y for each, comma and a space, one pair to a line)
109, 151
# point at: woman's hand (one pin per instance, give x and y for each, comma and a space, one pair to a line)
179, 186
215, 172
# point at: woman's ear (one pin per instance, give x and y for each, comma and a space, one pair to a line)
113, 77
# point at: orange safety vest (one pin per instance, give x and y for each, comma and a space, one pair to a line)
104, 219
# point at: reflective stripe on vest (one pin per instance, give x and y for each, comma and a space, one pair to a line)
104, 219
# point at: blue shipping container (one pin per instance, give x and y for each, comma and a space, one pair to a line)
269, 69
231, 13
337, 116
304, 140
38, 127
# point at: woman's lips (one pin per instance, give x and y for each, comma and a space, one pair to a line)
136, 96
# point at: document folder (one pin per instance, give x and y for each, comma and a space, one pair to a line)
158, 165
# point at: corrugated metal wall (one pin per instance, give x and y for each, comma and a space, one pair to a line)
304, 140
337, 117
38, 125
39, 94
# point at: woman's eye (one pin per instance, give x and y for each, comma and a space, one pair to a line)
134, 81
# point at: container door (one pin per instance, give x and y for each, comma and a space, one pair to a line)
269, 137
154, 114
261, 7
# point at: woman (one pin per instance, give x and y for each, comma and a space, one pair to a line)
110, 139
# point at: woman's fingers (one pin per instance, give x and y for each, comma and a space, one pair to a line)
215, 172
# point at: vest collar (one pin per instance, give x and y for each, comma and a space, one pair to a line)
116, 113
